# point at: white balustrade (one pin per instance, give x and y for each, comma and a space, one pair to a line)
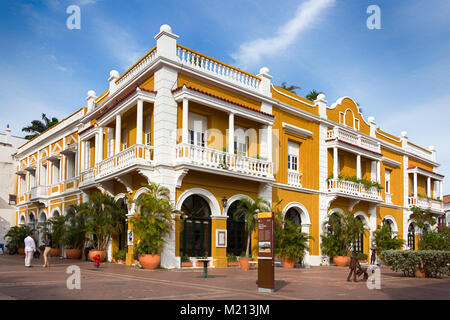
388, 198
354, 189
354, 139
87, 176
38, 192
217, 68
425, 203
136, 154
419, 151
138, 67
216, 159
294, 179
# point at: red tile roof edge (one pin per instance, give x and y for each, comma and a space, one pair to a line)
413, 166
223, 99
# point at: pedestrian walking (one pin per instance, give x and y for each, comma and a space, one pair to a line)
30, 247
47, 242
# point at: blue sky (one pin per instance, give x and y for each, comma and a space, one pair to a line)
399, 74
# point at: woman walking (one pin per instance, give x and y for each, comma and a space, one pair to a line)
48, 246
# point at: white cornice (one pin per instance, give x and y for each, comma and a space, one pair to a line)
391, 162
293, 98
296, 130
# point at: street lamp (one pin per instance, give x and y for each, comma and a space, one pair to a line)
224, 202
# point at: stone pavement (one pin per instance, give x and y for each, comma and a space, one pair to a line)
115, 281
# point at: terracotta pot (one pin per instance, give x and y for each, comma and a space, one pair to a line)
288, 262
55, 252
93, 253
150, 261
362, 261
186, 264
73, 253
244, 263
21, 251
420, 273
233, 263
341, 261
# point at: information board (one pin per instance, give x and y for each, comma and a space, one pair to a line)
266, 266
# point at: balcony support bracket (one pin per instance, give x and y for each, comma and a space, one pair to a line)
127, 181
352, 204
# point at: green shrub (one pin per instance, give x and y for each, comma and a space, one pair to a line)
231, 258
435, 240
362, 256
120, 255
435, 262
384, 239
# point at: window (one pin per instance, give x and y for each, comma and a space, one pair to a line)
387, 181
87, 155
70, 165
241, 141
147, 131
32, 179
293, 156
23, 186
56, 171
44, 175
197, 129
110, 145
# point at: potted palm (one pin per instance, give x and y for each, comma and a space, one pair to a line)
249, 209
342, 230
232, 260
185, 261
384, 239
57, 226
291, 244
75, 230
16, 236
103, 217
119, 256
152, 221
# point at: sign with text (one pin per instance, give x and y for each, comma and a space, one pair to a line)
266, 269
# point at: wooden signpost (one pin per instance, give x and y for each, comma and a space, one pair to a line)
266, 269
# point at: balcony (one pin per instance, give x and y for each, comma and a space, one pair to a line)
206, 158
136, 155
339, 134
294, 179
388, 198
424, 203
38, 192
354, 190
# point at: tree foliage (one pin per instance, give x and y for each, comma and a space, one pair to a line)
38, 126
312, 95
290, 88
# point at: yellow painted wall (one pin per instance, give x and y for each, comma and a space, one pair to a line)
350, 110
290, 100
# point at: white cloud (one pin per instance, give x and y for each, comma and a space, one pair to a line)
307, 14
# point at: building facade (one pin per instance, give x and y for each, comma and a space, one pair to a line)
8, 168
212, 134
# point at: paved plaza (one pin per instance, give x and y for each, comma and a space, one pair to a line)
115, 281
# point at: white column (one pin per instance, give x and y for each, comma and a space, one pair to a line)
441, 190
99, 145
82, 156
97, 138
373, 171
358, 166
378, 172
185, 123
428, 187
118, 133
139, 120
335, 163
415, 184
231, 133
269, 143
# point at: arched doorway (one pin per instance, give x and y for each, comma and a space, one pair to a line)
31, 220
236, 235
122, 243
22, 221
42, 225
195, 238
358, 244
388, 224
411, 237
294, 215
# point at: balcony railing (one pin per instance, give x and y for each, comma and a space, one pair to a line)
219, 69
87, 176
294, 179
210, 158
388, 198
351, 188
425, 203
38, 192
354, 139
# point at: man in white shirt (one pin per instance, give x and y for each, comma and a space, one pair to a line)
30, 247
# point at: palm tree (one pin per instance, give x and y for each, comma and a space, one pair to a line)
290, 88
422, 217
76, 226
250, 209
312, 95
103, 219
153, 218
38, 126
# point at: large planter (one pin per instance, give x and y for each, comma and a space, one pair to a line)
186, 264
233, 263
244, 263
93, 253
21, 251
73, 253
55, 252
288, 262
341, 261
150, 261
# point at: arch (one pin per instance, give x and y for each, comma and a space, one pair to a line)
123, 195
349, 118
55, 212
304, 214
31, 217
339, 210
391, 219
363, 215
22, 219
208, 196
138, 193
232, 199
42, 216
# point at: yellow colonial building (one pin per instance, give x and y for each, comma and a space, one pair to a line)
212, 134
